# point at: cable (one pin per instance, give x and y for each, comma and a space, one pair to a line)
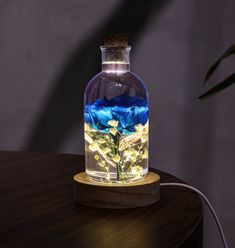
208, 204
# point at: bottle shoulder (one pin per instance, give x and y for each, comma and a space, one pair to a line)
124, 77
138, 79
113, 84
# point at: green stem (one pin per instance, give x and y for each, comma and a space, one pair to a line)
115, 150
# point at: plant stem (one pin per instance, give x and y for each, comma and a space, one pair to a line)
115, 149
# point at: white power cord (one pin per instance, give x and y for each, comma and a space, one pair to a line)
208, 204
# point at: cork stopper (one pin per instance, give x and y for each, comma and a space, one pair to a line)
116, 53
116, 40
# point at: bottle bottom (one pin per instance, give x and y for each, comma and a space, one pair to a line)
98, 176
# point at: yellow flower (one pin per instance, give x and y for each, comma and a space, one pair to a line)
131, 154
101, 163
87, 127
113, 131
128, 153
88, 138
139, 129
144, 138
137, 170
101, 141
113, 123
96, 157
146, 128
145, 154
116, 158
105, 150
94, 146
135, 155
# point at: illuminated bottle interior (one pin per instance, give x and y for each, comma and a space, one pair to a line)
116, 118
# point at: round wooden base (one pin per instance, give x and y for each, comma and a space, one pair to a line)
115, 195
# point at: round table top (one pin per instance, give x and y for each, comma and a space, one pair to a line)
37, 209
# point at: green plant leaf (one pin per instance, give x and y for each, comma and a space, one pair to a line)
221, 86
228, 52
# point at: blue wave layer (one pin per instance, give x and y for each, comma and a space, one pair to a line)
128, 111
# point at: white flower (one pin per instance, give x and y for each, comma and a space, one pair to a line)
113, 123
113, 131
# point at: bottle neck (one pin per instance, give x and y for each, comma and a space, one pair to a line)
115, 59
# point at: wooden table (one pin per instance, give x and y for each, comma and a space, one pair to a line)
37, 210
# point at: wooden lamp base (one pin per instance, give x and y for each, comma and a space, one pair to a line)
114, 195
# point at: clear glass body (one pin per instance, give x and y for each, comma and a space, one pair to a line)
116, 121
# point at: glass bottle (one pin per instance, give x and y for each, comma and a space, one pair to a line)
116, 118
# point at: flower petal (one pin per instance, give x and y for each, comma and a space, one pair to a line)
124, 110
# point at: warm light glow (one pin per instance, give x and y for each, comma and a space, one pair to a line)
114, 62
132, 148
115, 71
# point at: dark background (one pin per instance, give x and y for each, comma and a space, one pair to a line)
50, 49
